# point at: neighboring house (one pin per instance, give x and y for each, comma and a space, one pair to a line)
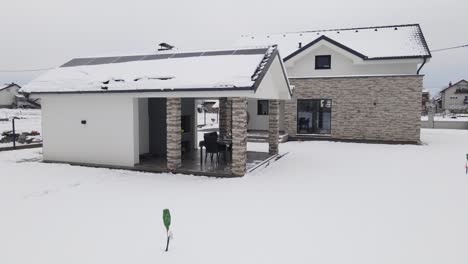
455, 97
349, 84
8, 94
139, 112
425, 101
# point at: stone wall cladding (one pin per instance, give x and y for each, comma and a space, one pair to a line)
273, 127
380, 108
225, 116
174, 137
239, 136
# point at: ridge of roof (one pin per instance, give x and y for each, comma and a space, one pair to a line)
338, 29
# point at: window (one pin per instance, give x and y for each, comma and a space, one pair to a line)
314, 116
323, 62
262, 107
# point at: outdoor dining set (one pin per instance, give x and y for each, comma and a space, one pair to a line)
215, 146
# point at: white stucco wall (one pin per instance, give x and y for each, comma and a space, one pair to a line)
343, 63
143, 125
7, 96
261, 122
451, 100
109, 137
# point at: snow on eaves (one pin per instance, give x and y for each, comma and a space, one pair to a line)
373, 42
183, 71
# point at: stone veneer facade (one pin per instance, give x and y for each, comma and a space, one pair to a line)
174, 135
273, 127
239, 136
225, 116
369, 108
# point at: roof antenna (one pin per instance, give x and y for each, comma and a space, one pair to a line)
164, 46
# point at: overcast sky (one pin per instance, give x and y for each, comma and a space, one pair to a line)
47, 33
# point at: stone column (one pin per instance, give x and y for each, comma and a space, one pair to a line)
225, 116
290, 116
273, 123
239, 136
174, 136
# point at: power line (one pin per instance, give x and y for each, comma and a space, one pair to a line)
29, 70
450, 48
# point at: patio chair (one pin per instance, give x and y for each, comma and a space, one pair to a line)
213, 147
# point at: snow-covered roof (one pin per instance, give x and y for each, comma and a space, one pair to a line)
8, 85
452, 85
383, 42
240, 69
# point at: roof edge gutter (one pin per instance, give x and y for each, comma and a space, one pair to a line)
422, 65
246, 88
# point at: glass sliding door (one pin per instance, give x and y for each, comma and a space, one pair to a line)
314, 116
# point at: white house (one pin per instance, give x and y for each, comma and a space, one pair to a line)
454, 97
349, 84
139, 112
8, 92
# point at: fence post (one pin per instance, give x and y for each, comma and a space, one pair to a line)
14, 133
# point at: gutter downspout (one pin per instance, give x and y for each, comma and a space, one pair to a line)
422, 65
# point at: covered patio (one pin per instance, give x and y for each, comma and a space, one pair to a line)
184, 150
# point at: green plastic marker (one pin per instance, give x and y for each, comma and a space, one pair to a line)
167, 224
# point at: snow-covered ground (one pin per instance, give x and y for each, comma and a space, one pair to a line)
324, 202
30, 120
447, 118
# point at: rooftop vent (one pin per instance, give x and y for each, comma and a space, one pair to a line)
300, 45
164, 46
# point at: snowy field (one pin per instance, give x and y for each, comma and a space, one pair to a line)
324, 202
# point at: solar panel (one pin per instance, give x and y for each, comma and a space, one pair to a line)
129, 58
217, 53
157, 56
77, 62
103, 60
186, 55
250, 51
107, 60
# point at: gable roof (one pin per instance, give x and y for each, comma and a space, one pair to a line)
369, 43
455, 84
218, 70
9, 85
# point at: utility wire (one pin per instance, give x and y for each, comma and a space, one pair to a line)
29, 70
456, 47
45, 69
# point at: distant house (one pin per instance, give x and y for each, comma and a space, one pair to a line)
425, 100
350, 84
8, 94
454, 97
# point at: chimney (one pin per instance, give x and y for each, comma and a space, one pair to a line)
450, 84
300, 45
164, 46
